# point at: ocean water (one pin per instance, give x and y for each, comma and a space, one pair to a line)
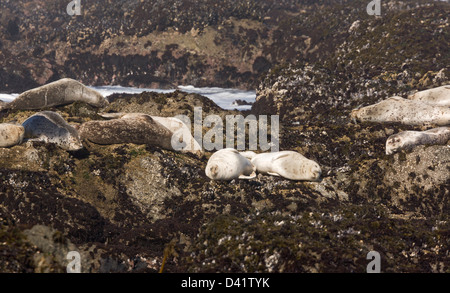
8, 97
223, 97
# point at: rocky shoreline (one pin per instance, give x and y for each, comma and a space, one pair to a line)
231, 44
132, 207
127, 207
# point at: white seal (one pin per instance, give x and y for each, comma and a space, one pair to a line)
62, 92
228, 164
409, 139
50, 127
409, 112
288, 164
11, 135
439, 96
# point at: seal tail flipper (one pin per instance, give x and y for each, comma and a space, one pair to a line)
251, 176
273, 174
111, 115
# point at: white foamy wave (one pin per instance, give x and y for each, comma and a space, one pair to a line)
223, 97
117, 89
8, 97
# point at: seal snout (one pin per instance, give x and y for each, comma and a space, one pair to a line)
214, 170
76, 143
316, 172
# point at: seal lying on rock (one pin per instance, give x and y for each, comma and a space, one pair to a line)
181, 135
62, 92
439, 96
10, 135
409, 112
228, 164
51, 127
410, 139
288, 164
137, 129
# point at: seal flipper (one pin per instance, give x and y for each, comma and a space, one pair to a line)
112, 115
279, 156
396, 98
273, 174
251, 176
248, 155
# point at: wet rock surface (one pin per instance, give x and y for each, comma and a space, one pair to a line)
229, 43
129, 208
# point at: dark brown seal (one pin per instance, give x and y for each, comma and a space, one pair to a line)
138, 130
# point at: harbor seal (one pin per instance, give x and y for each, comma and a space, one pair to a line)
439, 96
50, 127
410, 139
137, 129
182, 138
62, 92
409, 112
10, 135
288, 164
227, 164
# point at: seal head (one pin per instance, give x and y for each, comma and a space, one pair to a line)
11, 135
227, 164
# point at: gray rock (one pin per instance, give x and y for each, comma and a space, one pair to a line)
53, 248
420, 179
147, 187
